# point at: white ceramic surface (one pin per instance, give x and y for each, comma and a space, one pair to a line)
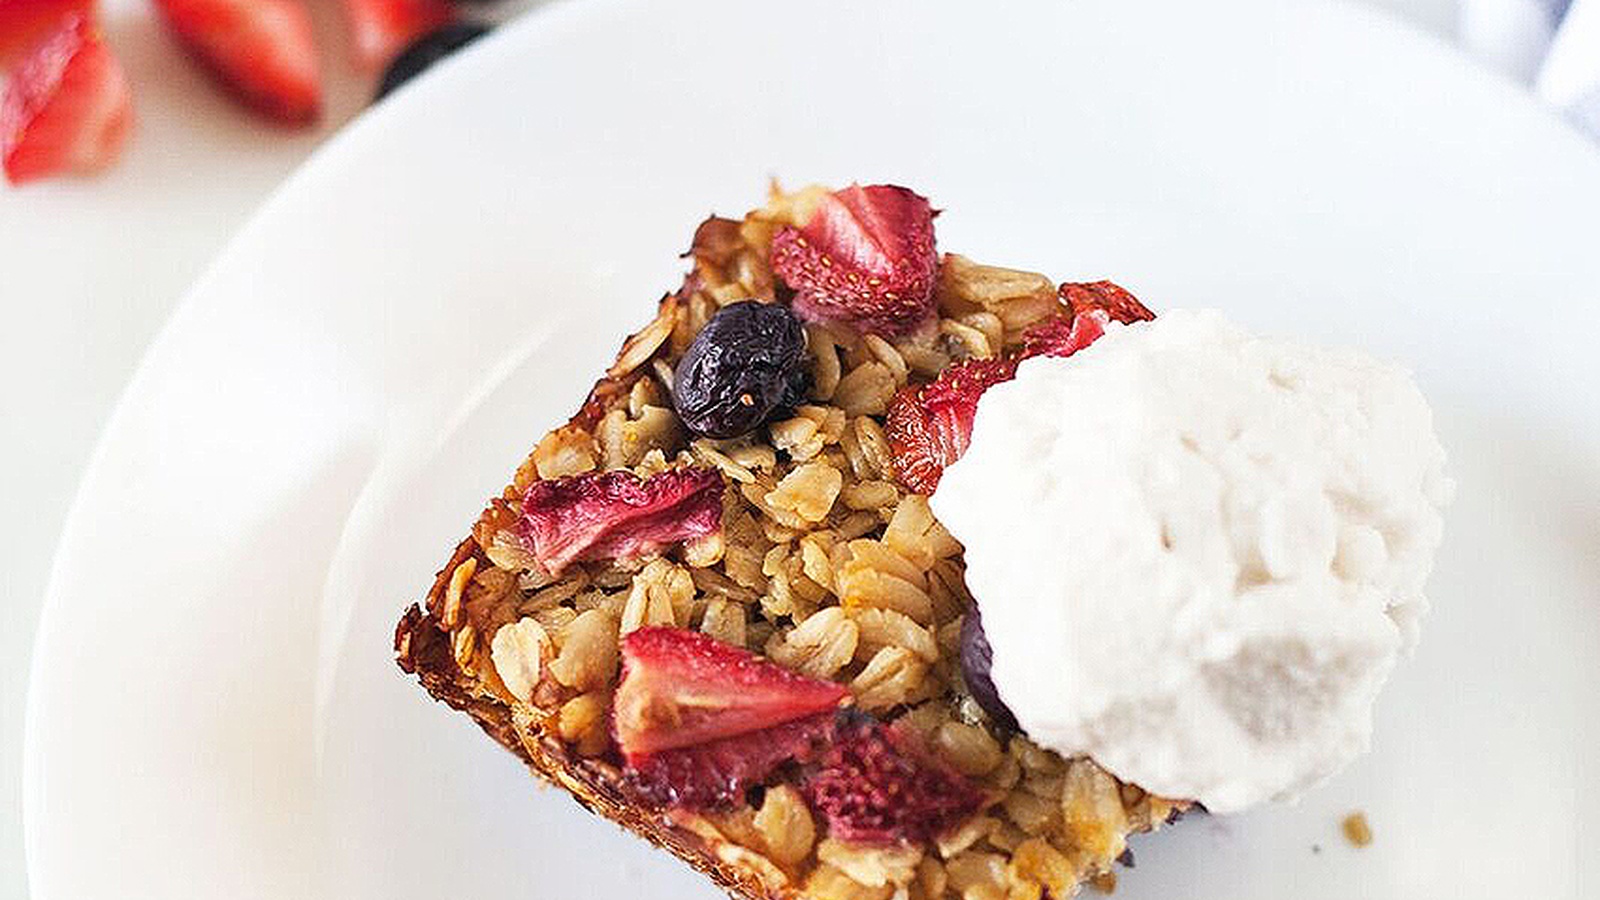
89, 270
214, 711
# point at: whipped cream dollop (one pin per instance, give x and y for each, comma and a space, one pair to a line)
1198, 552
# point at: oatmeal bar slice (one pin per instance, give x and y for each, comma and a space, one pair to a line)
715, 607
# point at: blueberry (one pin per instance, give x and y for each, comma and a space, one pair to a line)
427, 50
976, 659
746, 364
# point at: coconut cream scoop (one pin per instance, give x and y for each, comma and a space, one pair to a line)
1199, 552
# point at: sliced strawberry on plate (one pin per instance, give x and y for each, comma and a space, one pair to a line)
24, 24
879, 784
617, 514
929, 427
865, 258
719, 772
67, 107
380, 29
1094, 306
263, 51
681, 688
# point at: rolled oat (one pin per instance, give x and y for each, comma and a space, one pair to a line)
517, 652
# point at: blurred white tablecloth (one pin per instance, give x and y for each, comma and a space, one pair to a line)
90, 270
1551, 45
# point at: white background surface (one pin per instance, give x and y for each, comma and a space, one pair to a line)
88, 271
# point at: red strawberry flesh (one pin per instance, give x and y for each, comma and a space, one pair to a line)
618, 515
681, 688
1118, 304
1094, 306
929, 427
67, 107
24, 24
719, 772
380, 29
1064, 337
878, 784
866, 258
262, 51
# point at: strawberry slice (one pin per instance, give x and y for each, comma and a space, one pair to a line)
1064, 337
380, 29
719, 772
262, 51
929, 427
67, 108
866, 258
617, 515
879, 784
682, 688
24, 24
1106, 297
1094, 306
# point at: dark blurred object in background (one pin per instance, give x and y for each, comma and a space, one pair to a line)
426, 51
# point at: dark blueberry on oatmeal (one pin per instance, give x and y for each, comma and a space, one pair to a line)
745, 365
976, 659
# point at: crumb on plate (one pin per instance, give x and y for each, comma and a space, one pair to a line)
1356, 829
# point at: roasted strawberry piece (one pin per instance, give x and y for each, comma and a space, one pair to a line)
380, 29
66, 109
24, 24
618, 515
1094, 306
1063, 336
866, 258
681, 688
878, 784
1107, 297
930, 427
719, 772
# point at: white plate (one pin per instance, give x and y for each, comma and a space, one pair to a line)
214, 710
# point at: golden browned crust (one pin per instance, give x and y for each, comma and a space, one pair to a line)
423, 648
